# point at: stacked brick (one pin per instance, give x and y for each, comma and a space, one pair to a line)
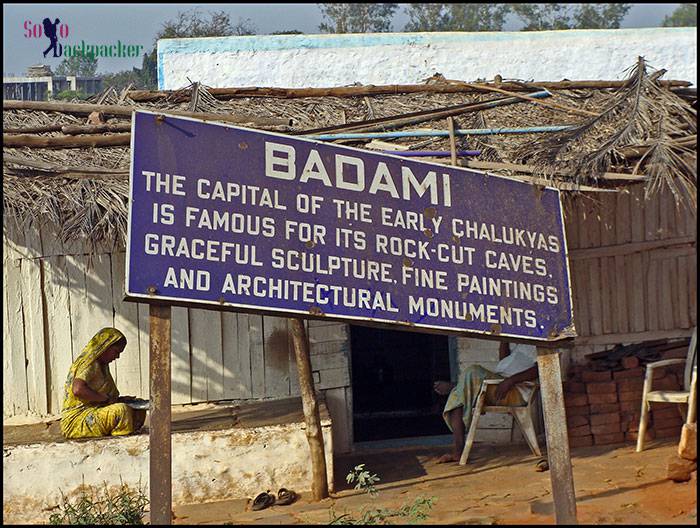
604, 406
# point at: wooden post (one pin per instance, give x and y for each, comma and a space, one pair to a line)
453, 143
560, 472
319, 484
160, 455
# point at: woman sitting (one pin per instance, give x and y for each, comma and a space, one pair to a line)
91, 404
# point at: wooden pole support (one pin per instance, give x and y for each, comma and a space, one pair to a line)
453, 143
160, 469
319, 484
557, 440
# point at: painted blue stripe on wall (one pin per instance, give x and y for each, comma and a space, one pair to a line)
284, 42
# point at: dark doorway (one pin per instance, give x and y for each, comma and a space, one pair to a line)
392, 383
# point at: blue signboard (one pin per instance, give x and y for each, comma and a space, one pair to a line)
232, 218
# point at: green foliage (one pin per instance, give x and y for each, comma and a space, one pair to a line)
357, 18
82, 65
149, 70
190, 24
365, 480
600, 16
69, 95
125, 506
288, 32
144, 78
410, 513
684, 16
456, 17
541, 17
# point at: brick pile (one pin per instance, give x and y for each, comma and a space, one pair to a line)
604, 406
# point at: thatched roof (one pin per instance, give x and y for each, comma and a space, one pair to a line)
644, 131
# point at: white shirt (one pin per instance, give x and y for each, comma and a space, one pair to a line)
521, 357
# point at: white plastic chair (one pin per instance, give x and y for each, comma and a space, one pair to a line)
522, 414
687, 395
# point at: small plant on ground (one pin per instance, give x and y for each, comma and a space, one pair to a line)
365, 480
410, 513
102, 507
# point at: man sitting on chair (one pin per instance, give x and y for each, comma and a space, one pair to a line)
513, 369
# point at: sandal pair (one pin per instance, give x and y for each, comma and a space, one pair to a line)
267, 499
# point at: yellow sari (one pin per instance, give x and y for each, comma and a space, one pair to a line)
81, 419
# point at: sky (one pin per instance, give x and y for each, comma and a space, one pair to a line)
137, 24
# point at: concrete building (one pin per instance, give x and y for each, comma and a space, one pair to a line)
44, 88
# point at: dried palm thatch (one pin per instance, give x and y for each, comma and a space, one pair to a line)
642, 129
641, 113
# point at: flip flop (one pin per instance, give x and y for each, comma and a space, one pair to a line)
542, 465
262, 501
285, 497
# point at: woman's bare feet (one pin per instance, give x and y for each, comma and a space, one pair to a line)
444, 459
442, 387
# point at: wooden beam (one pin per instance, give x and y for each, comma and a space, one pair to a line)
81, 141
629, 248
553, 106
74, 130
33, 130
560, 471
637, 337
517, 167
42, 165
413, 118
126, 111
71, 129
312, 418
453, 143
68, 108
159, 428
354, 91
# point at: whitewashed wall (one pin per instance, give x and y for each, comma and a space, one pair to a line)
297, 61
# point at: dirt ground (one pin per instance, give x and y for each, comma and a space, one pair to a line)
614, 485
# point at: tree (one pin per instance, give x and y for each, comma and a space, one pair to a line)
82, 65
456, 17
288, 32
144, 78
541, 17
600, 16
684, 16
357, 18
427, 17
191, 24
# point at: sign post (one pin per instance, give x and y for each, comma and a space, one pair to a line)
312, 417
159, 442
560, 472
229, 218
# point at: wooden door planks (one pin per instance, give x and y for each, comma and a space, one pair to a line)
14, 384
607, 265
126, 319
244, 350
207, 356
276, 354
257, 355
33, 317
180, 354
623, 265
234, 333
636, 284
